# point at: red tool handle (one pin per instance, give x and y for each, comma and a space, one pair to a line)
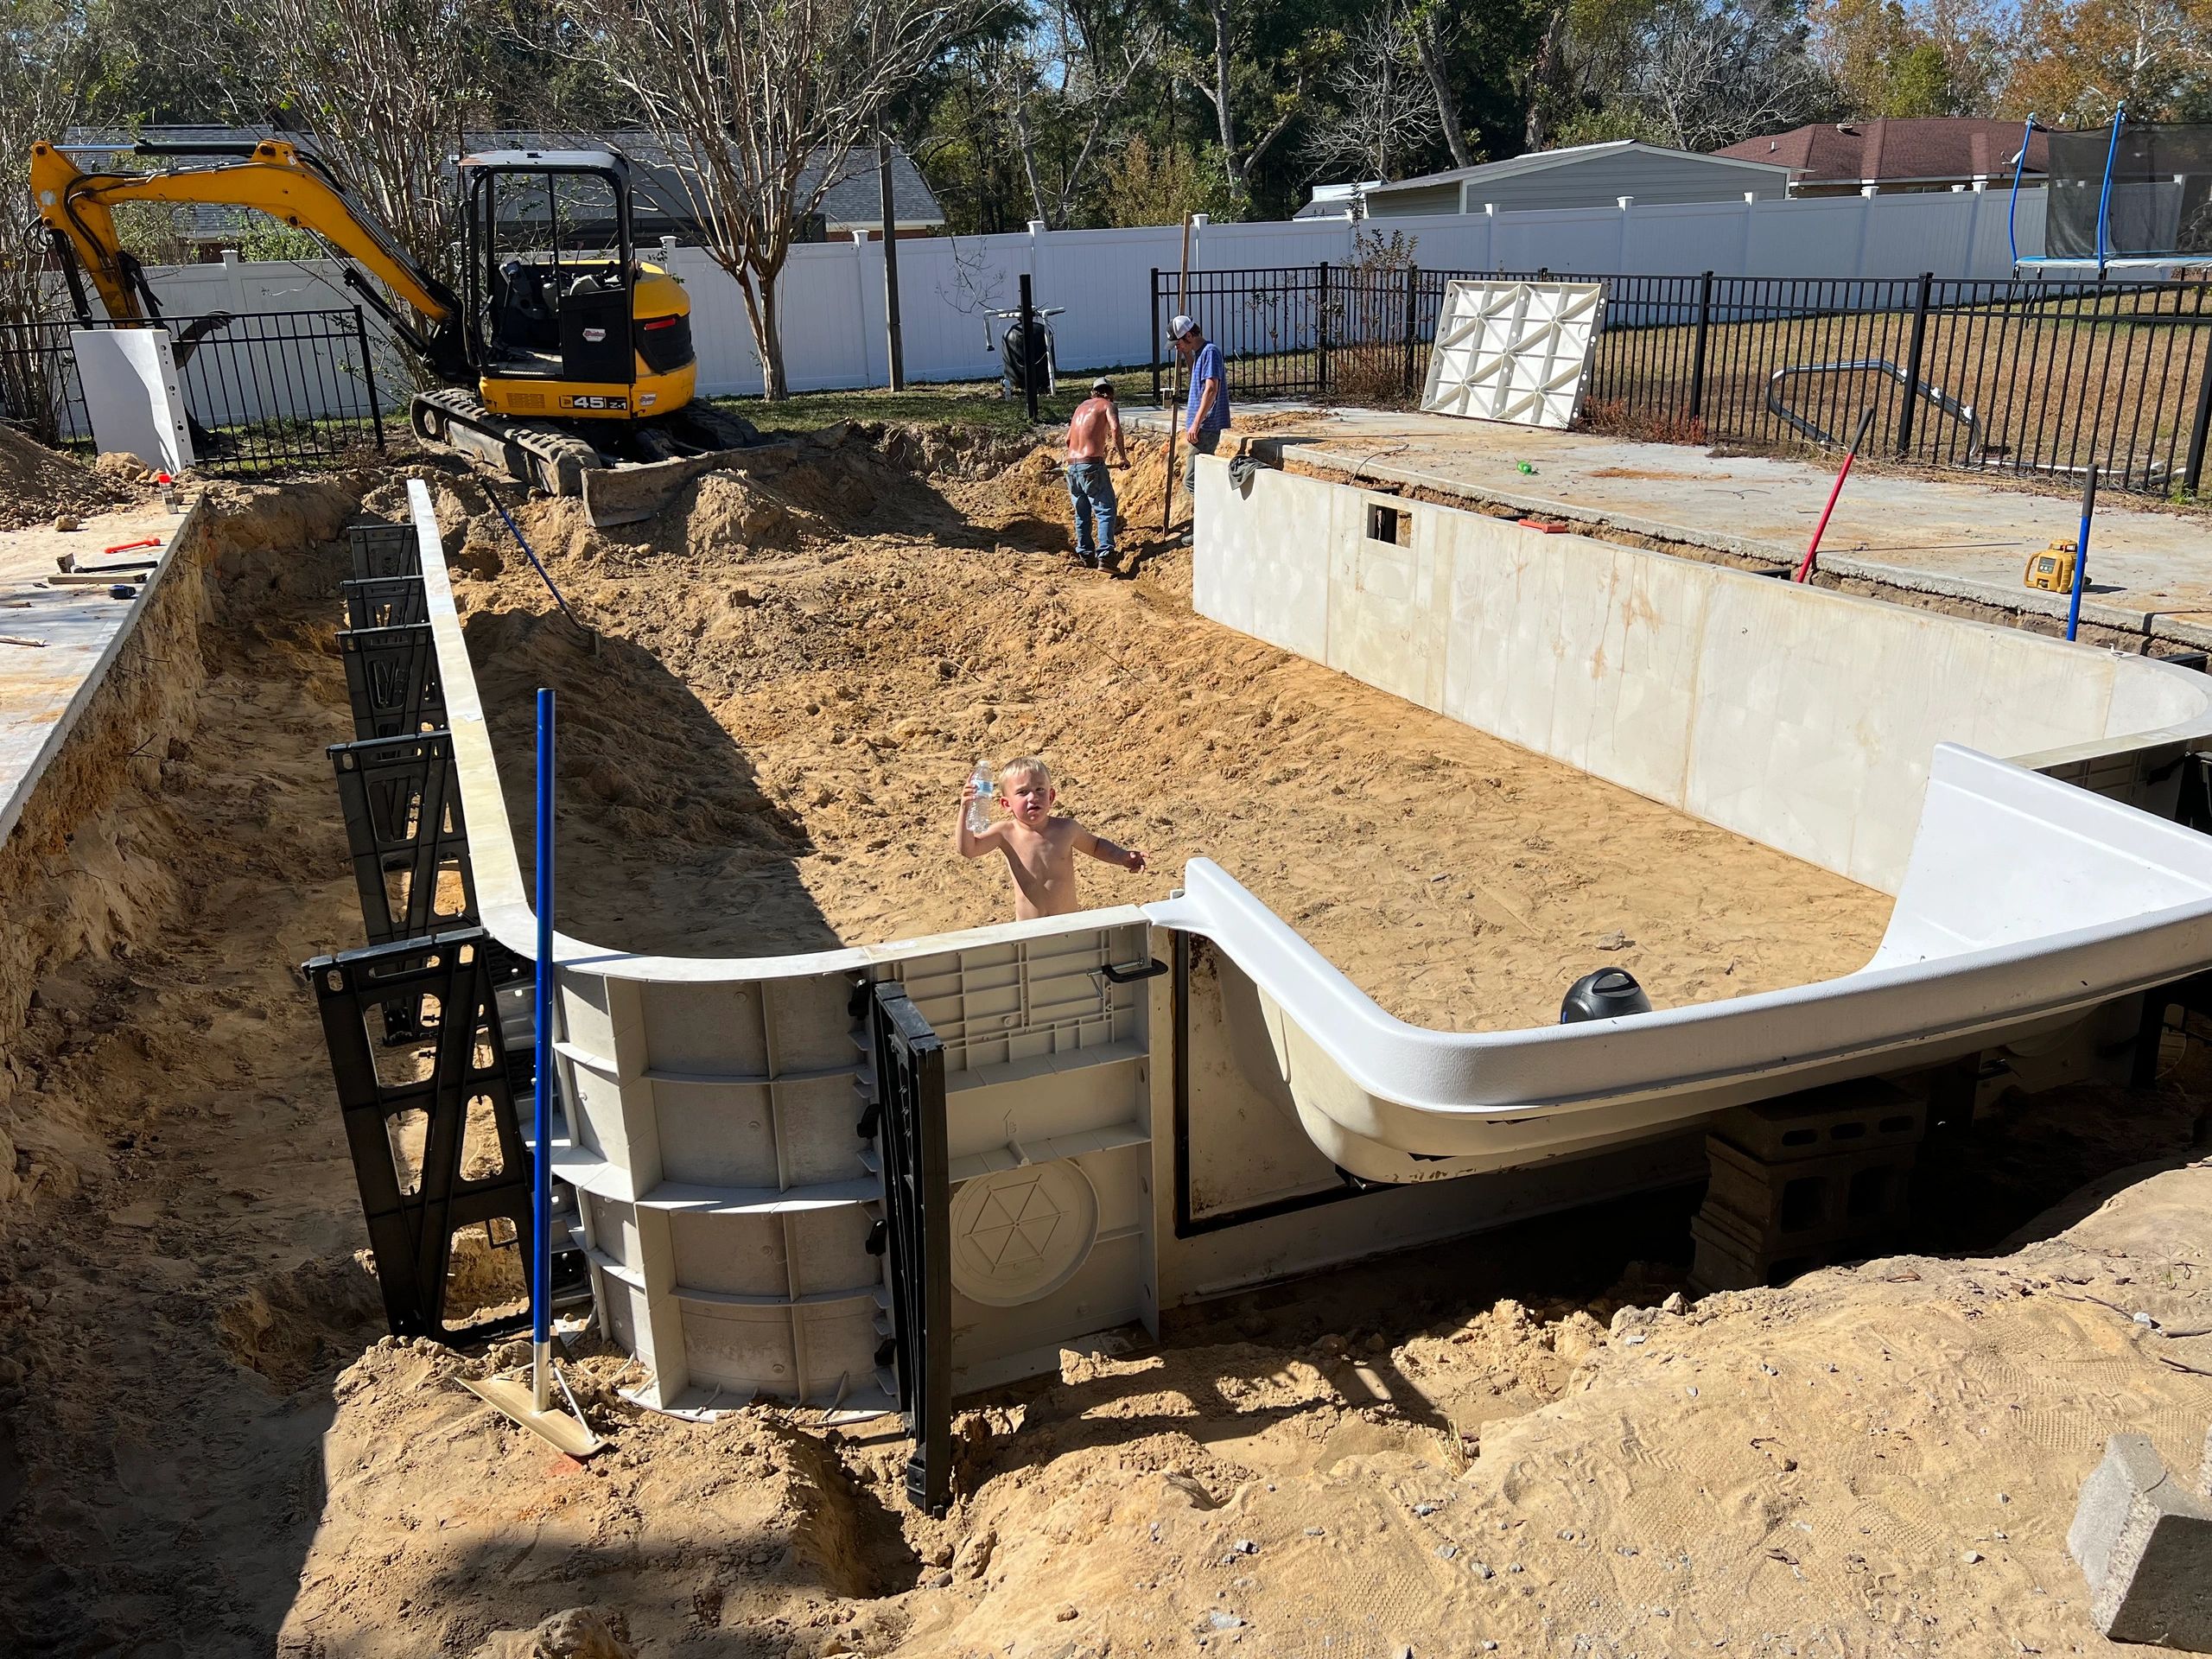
1804, 570
125, 547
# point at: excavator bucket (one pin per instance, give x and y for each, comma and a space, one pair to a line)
625, 494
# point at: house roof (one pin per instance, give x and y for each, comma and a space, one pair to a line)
1923, 148
1538, 160
852, 200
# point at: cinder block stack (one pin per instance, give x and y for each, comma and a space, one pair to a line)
1805, 1179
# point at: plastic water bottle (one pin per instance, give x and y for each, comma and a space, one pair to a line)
979, 809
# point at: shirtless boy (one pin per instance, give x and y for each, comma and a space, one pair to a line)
1039, 849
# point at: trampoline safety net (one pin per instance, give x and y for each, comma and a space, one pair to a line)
2161, 193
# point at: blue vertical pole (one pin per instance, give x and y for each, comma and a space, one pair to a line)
2104, 196
541, 1202
2082, 552
2012, 206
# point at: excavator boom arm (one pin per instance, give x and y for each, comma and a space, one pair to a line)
275, 179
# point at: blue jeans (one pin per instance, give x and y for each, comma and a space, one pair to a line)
1091, 492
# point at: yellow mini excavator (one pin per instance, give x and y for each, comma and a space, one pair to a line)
565, 358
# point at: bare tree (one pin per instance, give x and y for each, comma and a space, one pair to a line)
1214, 80
1073, 72
45, 51
1387, 106
1434, 26
1693, 73
388, 87
1544, 73
1711, 74
2074, 60
759, 104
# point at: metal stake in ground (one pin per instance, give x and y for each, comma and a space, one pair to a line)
532, 1408
1175, 386
2081, 551
1804, 570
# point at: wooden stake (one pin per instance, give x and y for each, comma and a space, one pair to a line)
1175, 393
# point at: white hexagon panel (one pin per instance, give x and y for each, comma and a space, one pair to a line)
1021, 1234
1509, 351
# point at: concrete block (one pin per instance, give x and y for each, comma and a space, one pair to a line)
1839, 1117
2144, 1541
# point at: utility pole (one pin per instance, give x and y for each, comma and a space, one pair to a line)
890, 261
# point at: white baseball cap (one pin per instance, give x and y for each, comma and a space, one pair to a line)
1179, 325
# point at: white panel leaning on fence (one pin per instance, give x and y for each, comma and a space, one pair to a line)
1514, 351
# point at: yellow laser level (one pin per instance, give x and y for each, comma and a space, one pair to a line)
2052, 570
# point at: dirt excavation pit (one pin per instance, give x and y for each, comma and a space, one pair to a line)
796, 670
205, 1448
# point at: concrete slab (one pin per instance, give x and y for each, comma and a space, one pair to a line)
77, 630
2149, 572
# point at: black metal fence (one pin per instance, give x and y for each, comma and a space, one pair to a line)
2024, 376
268, 394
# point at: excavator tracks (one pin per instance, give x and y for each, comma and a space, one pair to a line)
545, 456
670, 452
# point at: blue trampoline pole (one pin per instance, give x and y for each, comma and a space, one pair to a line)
2012, 206
2081, 551
2104, 197
541, 1201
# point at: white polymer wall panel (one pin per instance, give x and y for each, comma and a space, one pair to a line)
1510, 351
722, 332
2028, 911
1292, 242
945, 296
1930, 231
726, 1202
719, 1143
1048, 1086
1103, 278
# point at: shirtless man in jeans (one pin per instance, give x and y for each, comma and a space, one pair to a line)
1096, 428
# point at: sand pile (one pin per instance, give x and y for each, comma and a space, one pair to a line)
36, 483
799, 668
1876, 1460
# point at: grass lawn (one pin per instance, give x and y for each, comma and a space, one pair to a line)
960, 402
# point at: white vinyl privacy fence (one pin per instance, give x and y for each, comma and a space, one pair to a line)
1101, 280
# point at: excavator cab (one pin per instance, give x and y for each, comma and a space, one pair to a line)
565, 359
565, 321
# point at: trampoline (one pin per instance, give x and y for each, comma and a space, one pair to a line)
2134, 197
